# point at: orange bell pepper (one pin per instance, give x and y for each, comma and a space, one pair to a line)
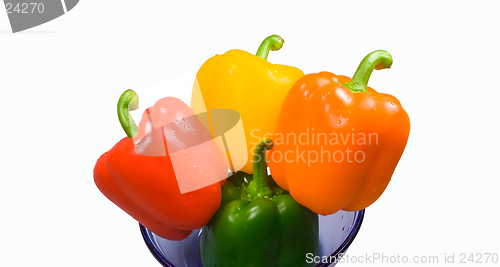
337, 142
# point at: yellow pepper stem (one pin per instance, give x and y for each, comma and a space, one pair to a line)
273, 43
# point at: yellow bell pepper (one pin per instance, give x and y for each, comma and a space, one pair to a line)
248, 84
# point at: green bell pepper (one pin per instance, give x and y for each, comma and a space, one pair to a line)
259, 224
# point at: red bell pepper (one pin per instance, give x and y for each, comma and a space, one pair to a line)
140, 177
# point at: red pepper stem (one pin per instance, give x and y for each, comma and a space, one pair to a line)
378, 59
259, 187
128, 101
273, 43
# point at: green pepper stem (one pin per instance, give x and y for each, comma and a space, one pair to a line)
259, 187
128, 101
273, 42
378, 59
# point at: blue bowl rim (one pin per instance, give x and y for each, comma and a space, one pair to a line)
340, 251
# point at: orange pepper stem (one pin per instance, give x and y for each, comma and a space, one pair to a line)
273, 43
378, 59
259, 187
128, 101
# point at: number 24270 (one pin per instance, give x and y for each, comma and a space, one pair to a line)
25, 8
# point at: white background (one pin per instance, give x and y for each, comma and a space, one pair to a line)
60, 83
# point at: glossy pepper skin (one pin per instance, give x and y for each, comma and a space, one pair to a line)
357, 170
259, 224
146, 187
238, 80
